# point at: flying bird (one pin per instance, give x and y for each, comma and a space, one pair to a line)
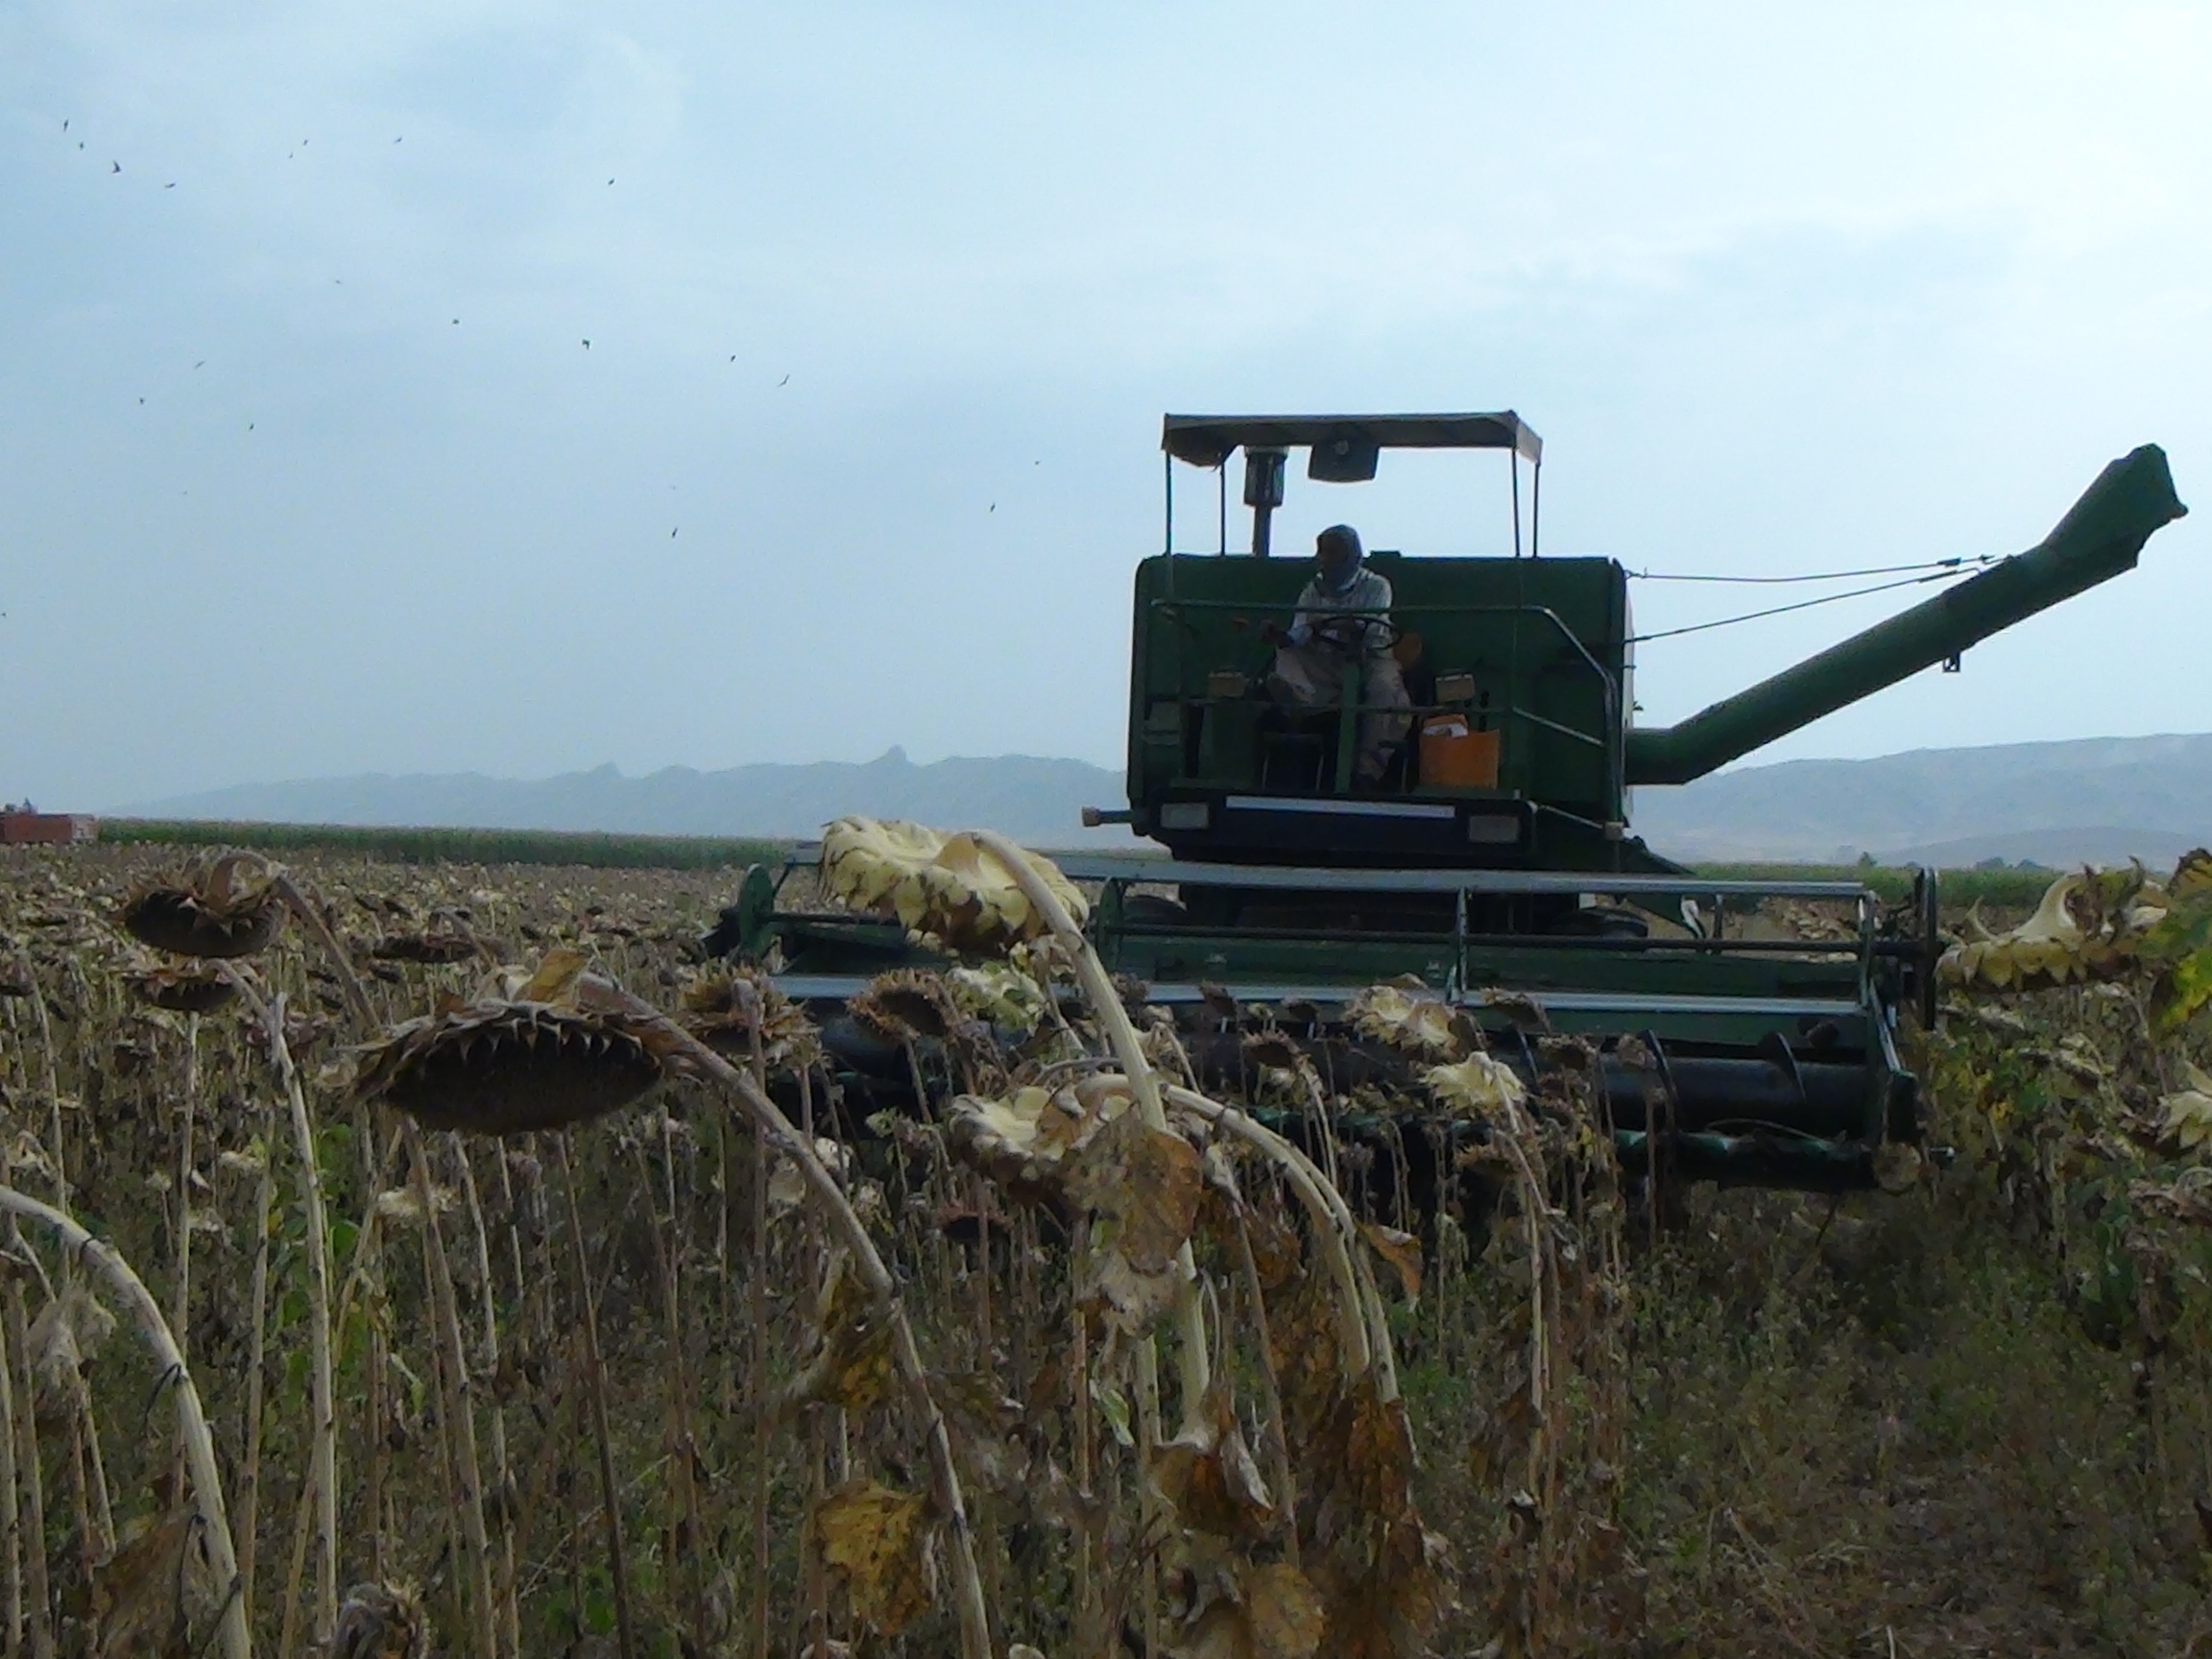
786, 381
993, 506
114, 167
64, 123
456, 321
202, 364
171, 186
672, 535
587, 344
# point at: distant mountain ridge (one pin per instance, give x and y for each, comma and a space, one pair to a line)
1025, 796
2094, 800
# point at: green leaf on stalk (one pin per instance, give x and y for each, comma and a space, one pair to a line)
1114, 1407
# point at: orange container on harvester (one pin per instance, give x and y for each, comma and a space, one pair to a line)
1453, 753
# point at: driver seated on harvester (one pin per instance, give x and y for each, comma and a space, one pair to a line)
1343, 616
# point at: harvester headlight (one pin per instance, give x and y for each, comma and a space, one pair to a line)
1185, 815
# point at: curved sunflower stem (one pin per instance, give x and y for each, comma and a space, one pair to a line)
1194, 1353
777, 1131
108, 1264
1364, 1327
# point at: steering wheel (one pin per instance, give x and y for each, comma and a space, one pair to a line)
1348, 631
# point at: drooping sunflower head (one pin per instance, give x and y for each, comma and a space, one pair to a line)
946, 885
1413, 1021
225, 904
550, 1055
723, 1007
906, 1004
180, 988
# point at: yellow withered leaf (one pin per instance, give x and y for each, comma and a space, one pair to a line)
1401, 1250
1286, 1612
2192, 875
1207, 1476
1147, 1183
1379, 1453
139, 1605
1270, 1612
556, 978
877, 1540
2189, 1111
852, 1367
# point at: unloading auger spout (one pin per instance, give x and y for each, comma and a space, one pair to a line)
2098, 539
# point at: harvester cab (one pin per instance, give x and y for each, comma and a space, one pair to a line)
1491, 861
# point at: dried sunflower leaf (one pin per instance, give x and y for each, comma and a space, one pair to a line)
877, 1540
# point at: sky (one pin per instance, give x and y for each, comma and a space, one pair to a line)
516, 387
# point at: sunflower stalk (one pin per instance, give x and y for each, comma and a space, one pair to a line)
322, 1470
37, 1593
453, 1374
107, 1264
1193, 1353
777, 1129
1364, 1327
249, 1483
11, 1511
610, 1490
510, 1616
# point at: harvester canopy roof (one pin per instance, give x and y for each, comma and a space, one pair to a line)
1209, 440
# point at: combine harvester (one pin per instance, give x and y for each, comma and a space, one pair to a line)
1492, 860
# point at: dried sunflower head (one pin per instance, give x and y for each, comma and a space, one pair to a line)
2089, 926
1412, 1021
905, 1003
721, 1005
379, 1622
433, 945
225, 904
546, 1057
181, 989
1478, 1087
946, 885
